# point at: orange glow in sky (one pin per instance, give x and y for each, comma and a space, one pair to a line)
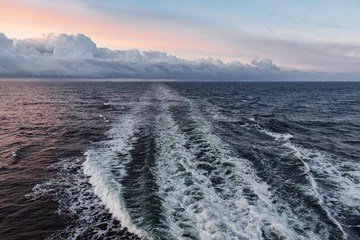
192, 30
25, 19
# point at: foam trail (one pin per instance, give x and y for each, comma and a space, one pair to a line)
341, 174
333, 181
106, 165
339, 196
204, 189
339, 178
209, 193
71, 189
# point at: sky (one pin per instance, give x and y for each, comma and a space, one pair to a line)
308, 35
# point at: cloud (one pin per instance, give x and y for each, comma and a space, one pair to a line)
264, 64
77, 56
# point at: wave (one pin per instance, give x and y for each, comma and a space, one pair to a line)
334, 181
209, 192
106, 164
71, 189
338, 184
282, 157
173, 177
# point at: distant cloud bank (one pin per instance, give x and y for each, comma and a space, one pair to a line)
77, 56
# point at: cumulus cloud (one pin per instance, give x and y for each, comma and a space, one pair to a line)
77, 56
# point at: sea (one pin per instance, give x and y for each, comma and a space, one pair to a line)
179, 160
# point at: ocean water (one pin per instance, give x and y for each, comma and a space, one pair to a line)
179, 160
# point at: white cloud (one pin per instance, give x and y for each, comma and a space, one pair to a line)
76, 56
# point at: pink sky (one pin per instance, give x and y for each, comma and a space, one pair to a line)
287, 47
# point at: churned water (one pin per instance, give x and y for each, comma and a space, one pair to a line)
117, 160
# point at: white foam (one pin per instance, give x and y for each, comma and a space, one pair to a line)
192, 203
346, 190
105, 164
103, 117
284, 137
213, 214
14, 153
70, 188
342, 176
216, 114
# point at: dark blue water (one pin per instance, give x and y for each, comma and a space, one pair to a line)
117, 160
